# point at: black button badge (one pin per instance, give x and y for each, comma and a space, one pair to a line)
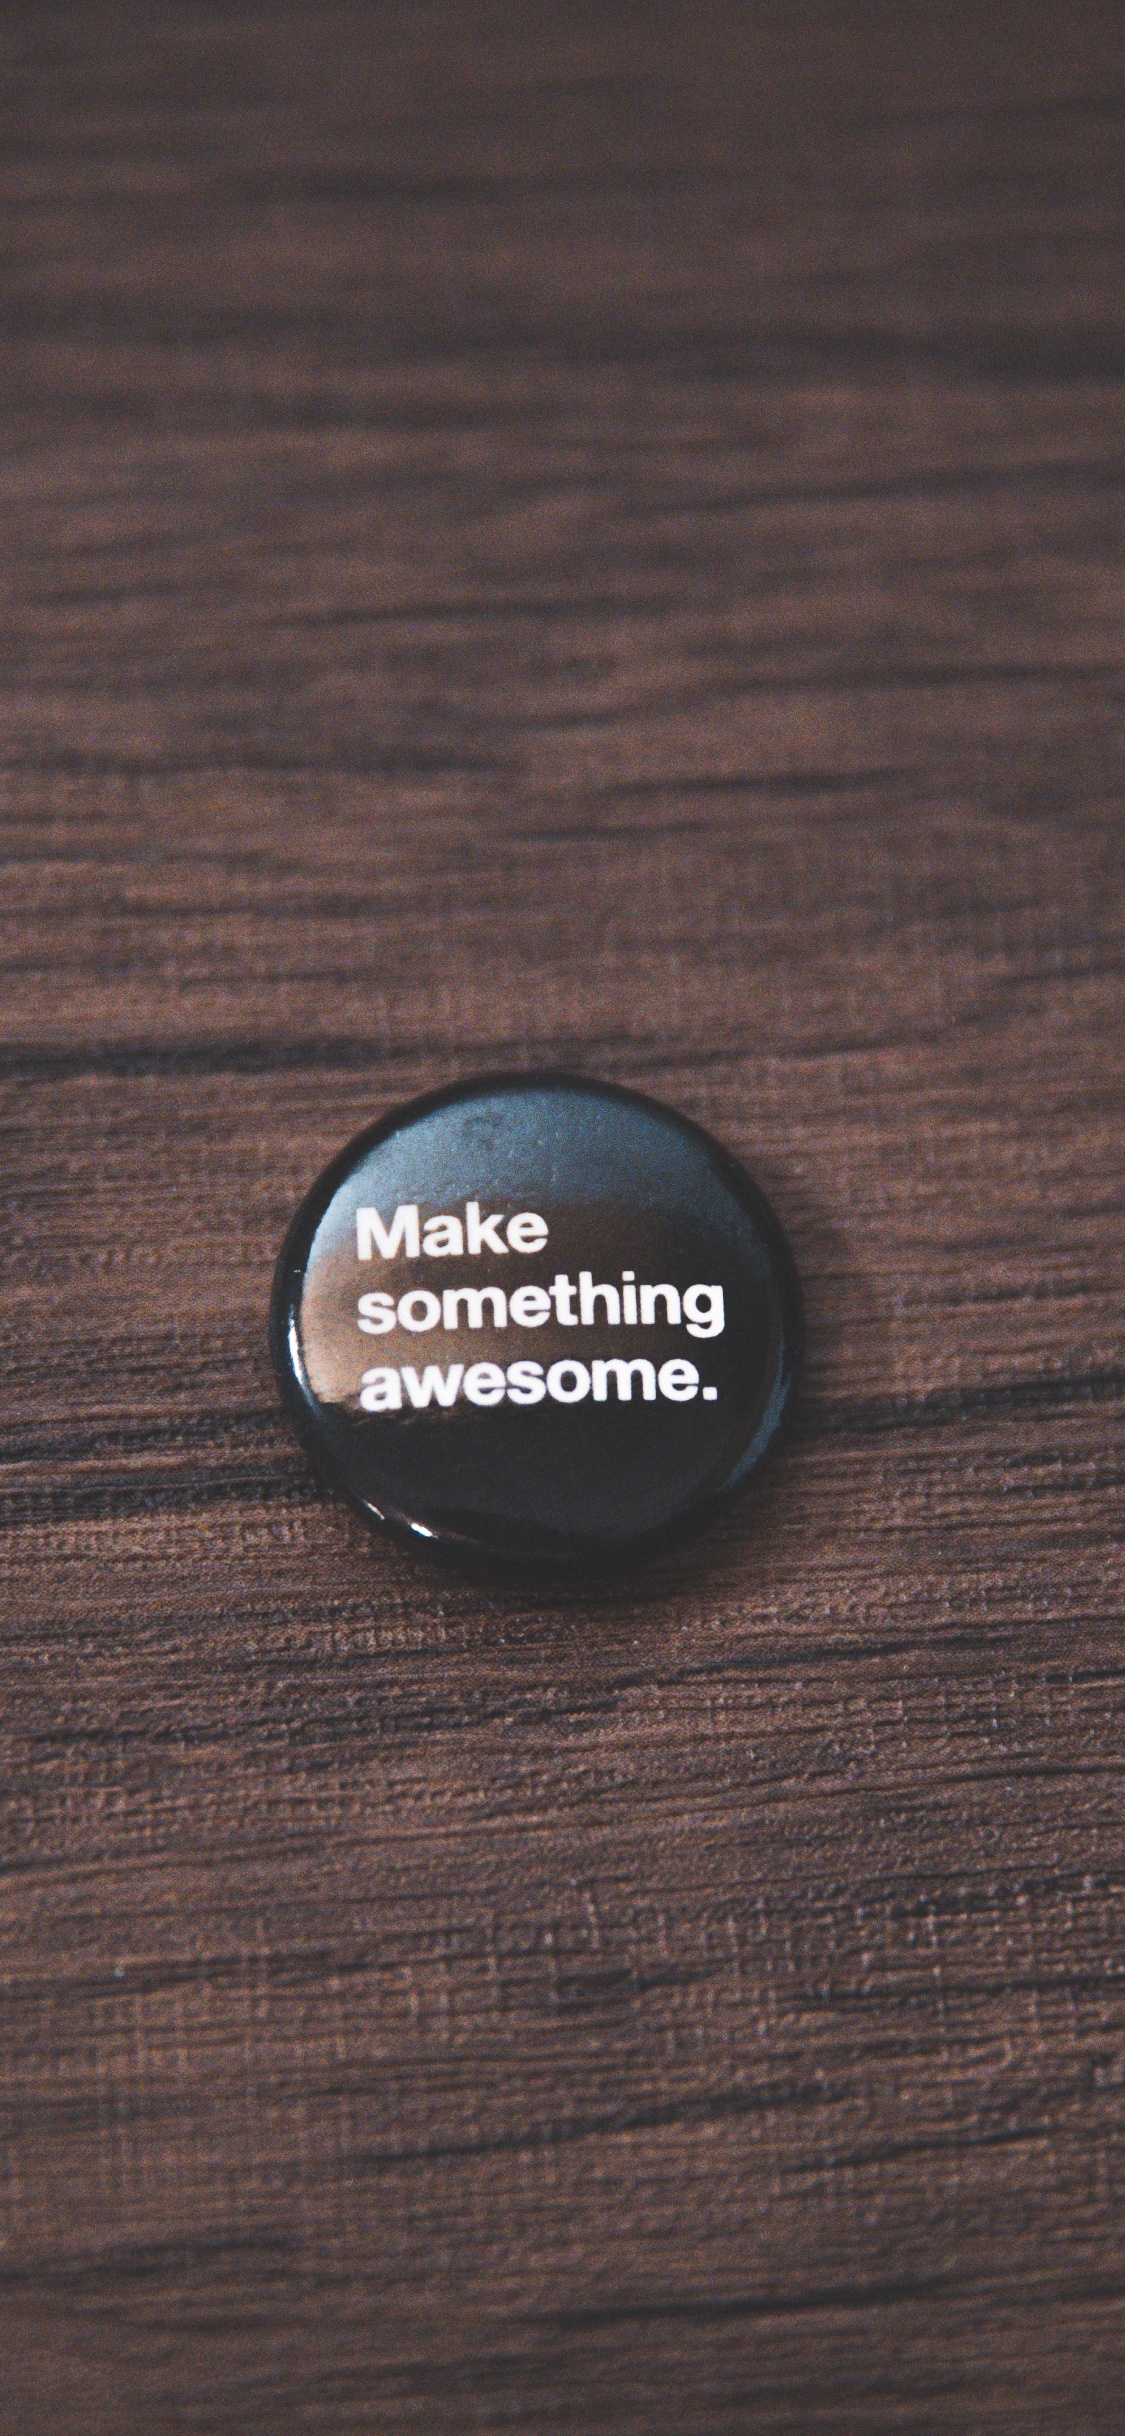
537, 1322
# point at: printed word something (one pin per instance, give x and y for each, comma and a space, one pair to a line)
700, 1309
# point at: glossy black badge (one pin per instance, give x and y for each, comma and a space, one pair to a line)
538, 1322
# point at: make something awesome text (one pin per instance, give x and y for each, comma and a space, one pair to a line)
581, 1303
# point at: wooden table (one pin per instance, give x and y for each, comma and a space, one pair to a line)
589, 535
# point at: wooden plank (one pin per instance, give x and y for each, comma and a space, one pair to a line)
587, 536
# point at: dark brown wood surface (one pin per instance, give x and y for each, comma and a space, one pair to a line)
584, 535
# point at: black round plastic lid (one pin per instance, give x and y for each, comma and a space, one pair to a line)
536, 1322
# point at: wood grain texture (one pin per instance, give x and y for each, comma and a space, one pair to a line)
590, 535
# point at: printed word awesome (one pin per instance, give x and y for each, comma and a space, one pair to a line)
486, 1384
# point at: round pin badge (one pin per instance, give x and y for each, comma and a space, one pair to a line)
536, 1322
